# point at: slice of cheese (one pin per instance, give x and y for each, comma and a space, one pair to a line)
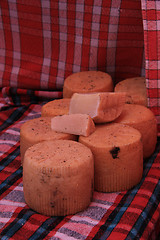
38, 130
143, 119
58, 177
87, 81
118, 156
78, 124
101, 107
55, 107
135, 89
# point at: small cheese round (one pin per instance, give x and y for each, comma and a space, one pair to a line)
58, 177
55, 108
135, 89
143, 119
87, 82
118, 156
38, 130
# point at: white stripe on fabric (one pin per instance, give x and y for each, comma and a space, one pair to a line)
16, 43
47, 49
112, 38
2, 49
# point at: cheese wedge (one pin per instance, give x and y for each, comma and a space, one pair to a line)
58, 177
87, 81
55, 107
101, 107
135, 89
78, 124
143, 119
38, 130
118, 156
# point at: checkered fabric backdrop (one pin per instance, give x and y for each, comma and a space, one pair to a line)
41, 43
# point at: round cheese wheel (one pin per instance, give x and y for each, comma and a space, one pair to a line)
135, 89
38, 130
86, 82
143, 119
55, 107
118, 156
58, 177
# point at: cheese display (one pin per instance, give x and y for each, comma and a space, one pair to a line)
87, 81
102, 107
38, 130
118, 156
135, 89
55, 107
143, 119
78, 124
58, 177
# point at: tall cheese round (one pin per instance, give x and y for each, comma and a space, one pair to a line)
38, 130
58, 177
118, 156
143, 119
135, 89
87, 82
55, 108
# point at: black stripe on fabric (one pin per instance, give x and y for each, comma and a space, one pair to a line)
17, 223
46, 227
125, 202
15, 115
8, 182
10, 157
15, 96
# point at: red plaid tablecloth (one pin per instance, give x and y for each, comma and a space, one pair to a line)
41, 43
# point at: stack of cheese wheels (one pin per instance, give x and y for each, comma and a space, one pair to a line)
86, 82
143, 119
38, 130
55, 108
135, 89
58, 177
118, 156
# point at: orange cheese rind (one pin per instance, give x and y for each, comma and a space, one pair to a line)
58, 177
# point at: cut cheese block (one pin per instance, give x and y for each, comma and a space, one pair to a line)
118, 156
143, 119
87, 81
135, 89
58, 177
38, 130
78, 124
55, 107
101, 107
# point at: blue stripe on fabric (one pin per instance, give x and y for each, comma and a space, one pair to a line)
7, 160
146, 214
42, 228
10, 178
12, 230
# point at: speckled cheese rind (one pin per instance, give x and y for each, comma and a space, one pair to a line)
55, 108
58, 177
135, 89
118, 156
38, 130
87, 81
143, 119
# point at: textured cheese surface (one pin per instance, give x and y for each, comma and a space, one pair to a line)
78, 124
58, 177
118, 156
38, 130
135, 89
55, 107
87, 81
143, 119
